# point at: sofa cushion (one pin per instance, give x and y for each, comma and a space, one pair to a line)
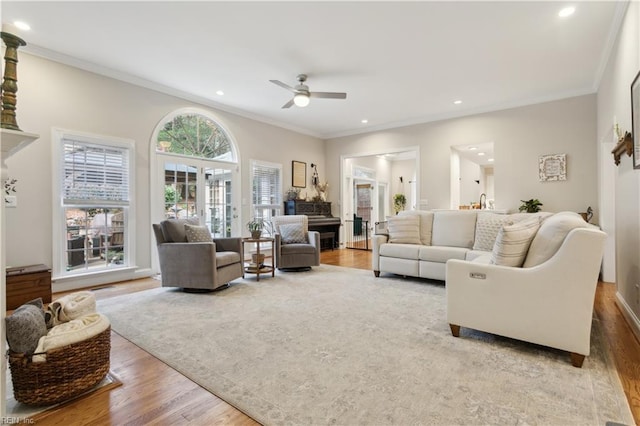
24, 328
403, 251
474, 254
173, 229
454, 228
425, 222
224, 258
487, 227
404, 230
197, 234
442, 253
293, 233
550, 236
297, 249
513, 242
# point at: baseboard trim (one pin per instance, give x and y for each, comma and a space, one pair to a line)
92, 280
629, 315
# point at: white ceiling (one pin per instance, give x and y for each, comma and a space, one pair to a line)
400, 62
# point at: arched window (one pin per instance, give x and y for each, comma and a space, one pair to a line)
195, 135
196, 161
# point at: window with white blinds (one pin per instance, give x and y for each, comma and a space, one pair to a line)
266, 179
95, 173
94, 186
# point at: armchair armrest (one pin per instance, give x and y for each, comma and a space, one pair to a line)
376, 241
549, 304
229, 244
199, 259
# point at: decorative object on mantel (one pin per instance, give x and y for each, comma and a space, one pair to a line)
635, 120
552, 167
10, 80
624, 146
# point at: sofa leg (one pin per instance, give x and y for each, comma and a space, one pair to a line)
577, 360
455, 330
376, 273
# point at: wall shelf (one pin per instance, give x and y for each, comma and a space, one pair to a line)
625, 145
12, 141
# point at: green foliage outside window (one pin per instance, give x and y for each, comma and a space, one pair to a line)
196, 136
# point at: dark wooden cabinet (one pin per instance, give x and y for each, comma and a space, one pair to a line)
310, 208
25, 283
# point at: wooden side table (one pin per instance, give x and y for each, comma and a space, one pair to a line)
263, 268
25, 283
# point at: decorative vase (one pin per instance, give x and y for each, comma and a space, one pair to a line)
256, 234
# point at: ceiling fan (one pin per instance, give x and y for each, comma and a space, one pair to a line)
302, 94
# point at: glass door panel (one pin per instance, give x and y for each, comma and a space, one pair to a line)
219, 210
180, 190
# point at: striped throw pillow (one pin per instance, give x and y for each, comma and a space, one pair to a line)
512, 243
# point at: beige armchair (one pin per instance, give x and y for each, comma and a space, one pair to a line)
295, 246
196, 266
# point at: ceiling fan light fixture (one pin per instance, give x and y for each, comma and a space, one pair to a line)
301, 100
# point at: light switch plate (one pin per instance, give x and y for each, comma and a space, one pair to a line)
10, 201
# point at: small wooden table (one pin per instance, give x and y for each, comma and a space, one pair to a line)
25, 283
263, 268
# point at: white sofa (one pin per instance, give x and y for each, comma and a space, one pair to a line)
548, 301
424, 240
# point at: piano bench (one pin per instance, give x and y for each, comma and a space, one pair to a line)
327, 236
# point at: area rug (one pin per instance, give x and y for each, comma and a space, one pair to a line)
338, 346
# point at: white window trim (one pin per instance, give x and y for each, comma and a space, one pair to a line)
58, 217
251, 175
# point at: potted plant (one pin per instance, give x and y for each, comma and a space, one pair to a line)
530, 206
255, 227
399, 202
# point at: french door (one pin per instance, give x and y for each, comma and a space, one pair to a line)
208, 190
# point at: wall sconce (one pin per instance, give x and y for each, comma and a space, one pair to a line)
314, 177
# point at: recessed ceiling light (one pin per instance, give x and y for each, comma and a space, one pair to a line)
458, 102
22, 25
489, 159
472, 148
567, 11
364, 121
220, 93
481, 154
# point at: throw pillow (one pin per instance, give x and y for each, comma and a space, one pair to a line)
487, 227
293, 233
24, 328
512, 243
197, 234
404, 230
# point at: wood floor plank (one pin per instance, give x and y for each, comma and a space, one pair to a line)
154, 393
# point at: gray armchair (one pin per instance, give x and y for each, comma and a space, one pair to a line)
196, 265
297, 250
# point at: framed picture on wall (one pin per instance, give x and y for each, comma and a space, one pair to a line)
298, 174
552, 167
635, 120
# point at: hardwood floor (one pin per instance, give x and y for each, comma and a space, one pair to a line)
153, 393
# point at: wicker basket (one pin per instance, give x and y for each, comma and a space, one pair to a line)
68, 372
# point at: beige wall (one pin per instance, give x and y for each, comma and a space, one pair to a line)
620, 196
520, 136
55, 95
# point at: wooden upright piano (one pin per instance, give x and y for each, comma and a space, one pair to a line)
320, 219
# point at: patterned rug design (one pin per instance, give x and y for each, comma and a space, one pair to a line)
337, 346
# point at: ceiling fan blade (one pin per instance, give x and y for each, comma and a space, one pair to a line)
283, 85
288, 104
329, 95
